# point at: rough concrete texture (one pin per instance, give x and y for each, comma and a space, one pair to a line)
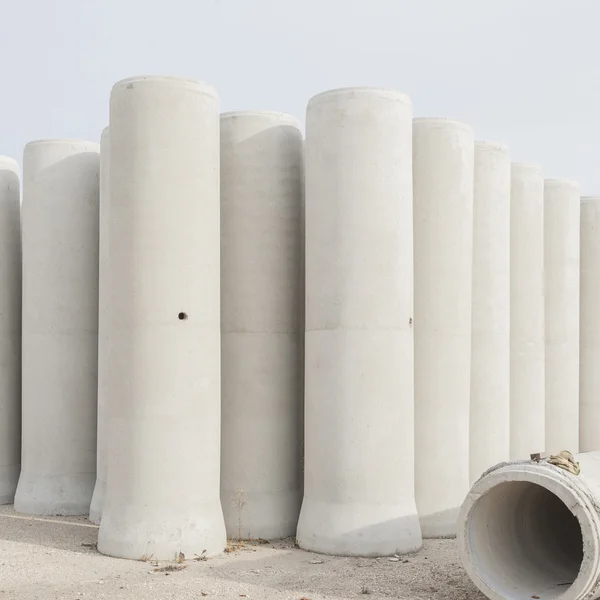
103, 347
561, 266
60, 327
262, 323
162, 489
527, 380
531, 530
589, 326
359, 470
56, 560
490, 335
10, 329
443, 231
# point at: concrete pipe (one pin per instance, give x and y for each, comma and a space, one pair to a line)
103, 297
60, 327
359, 470
532, 530
561, 263
527, 381
443, 167
164, 379
262, 324
10, 329
589, 326
490, 336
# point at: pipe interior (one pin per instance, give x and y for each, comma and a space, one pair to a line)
524, 542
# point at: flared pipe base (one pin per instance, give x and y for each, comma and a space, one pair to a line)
141, 535
358, 530
9, 477
64, 494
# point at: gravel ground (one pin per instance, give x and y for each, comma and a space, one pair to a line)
55, 558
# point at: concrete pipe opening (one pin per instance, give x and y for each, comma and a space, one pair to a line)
519, 538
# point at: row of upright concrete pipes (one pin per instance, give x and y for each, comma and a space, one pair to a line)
228, 330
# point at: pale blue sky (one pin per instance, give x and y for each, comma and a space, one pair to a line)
522, 72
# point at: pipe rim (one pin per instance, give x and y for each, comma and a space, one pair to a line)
576, 498
195, 84
8, 162
570, 184
281, 116
61, 142
363, 90
495, 146
527, 166
443, 123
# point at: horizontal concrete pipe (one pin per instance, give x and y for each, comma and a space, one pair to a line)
532, 530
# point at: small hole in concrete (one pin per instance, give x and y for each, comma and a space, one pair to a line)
182, 316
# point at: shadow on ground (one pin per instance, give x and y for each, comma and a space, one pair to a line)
76, 534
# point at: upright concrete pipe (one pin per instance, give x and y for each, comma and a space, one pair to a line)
561, 267
532, 530
359, 471
103, 347
589, 326
490, 336
262, 323
443, 167
162, 488
60, 327
527, 382
10, 329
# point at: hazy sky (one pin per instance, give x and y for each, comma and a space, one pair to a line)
522, 72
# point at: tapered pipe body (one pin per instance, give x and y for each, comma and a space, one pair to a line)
561, 267
443, 167
532, 530
262, 325
359, 336
103, 343
60, 327
589, 326
490, 336
162, 489
10, 329
527, 379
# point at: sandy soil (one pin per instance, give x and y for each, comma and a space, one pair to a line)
55, 558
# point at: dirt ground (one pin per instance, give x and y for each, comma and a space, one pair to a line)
56, 558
